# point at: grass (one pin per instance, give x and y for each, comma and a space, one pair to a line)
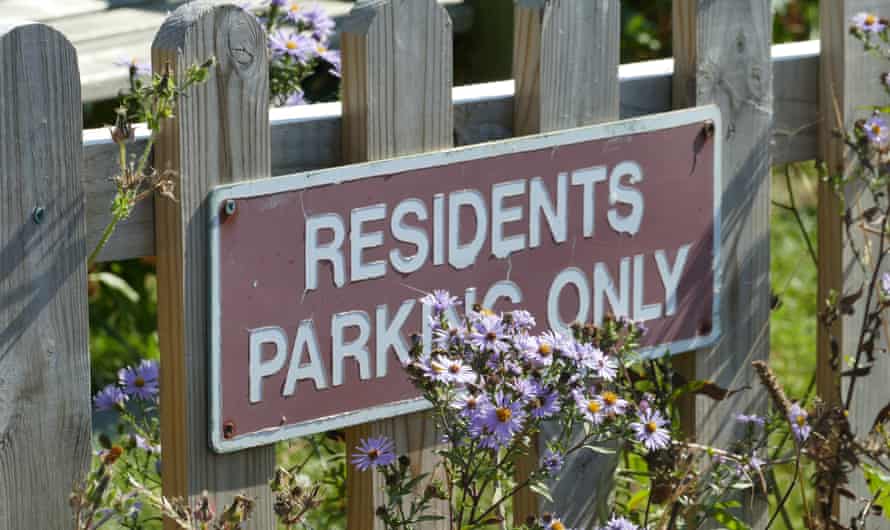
793, 324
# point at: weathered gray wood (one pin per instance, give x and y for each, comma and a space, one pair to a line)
850, 80
397, 78
306, 138
44, 327
565, 63
220, 134
722, 54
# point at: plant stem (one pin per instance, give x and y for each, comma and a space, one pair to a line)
106, 235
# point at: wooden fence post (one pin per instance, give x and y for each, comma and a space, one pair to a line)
397, 80
722, 56
850, 78
44, 326
220, 134
565, 64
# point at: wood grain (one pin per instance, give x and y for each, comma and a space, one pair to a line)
220, 134
722, 56
44, 327
565, 61
850, 80
397, 79
305, 138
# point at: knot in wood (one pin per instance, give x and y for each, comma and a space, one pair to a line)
243, 42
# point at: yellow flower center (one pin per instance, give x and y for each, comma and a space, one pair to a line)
291, 45
651, 426
801, 420
876, 129
594, 406
503, 414
557, 525
139, 382
454, 368
544, 350
610, 398
320, 49
871, 20
293, 8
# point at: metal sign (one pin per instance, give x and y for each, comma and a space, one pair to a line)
315, 277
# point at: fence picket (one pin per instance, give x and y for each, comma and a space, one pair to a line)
397, 78
565, 62
44, 327
722, 56
850, 78
219, 135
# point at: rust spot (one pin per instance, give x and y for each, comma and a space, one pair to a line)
228, 429
708, 129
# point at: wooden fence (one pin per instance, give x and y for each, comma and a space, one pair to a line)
56, 191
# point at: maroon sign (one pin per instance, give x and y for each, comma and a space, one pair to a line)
316, 277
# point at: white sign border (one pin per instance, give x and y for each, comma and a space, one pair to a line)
342, 174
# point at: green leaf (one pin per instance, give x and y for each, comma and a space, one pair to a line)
878, 481
116, 283
601, 450
541, 489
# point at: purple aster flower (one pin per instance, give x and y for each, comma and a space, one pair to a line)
140, 382
294, 45
297, 98
868, 23
612, 404
885, 283
373, 452
877, 131
526, 389
468, 404
457, 372
553, 523
523, 320
440, 301
552, 462
545, 404
620, 523
650, 430
333, 58
499, 421
539, 350
109, 398
798, 418
753, 419
604, 366
562, 345
319, 22
135, 66
591, 409
488, 334
446, 338
146, 445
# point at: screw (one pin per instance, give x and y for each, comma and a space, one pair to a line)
38, 214
228, 429
709, 129
229, 207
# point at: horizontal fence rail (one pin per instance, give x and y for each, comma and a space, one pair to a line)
309, 137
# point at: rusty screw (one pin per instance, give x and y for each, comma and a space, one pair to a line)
228, 429
709, 129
